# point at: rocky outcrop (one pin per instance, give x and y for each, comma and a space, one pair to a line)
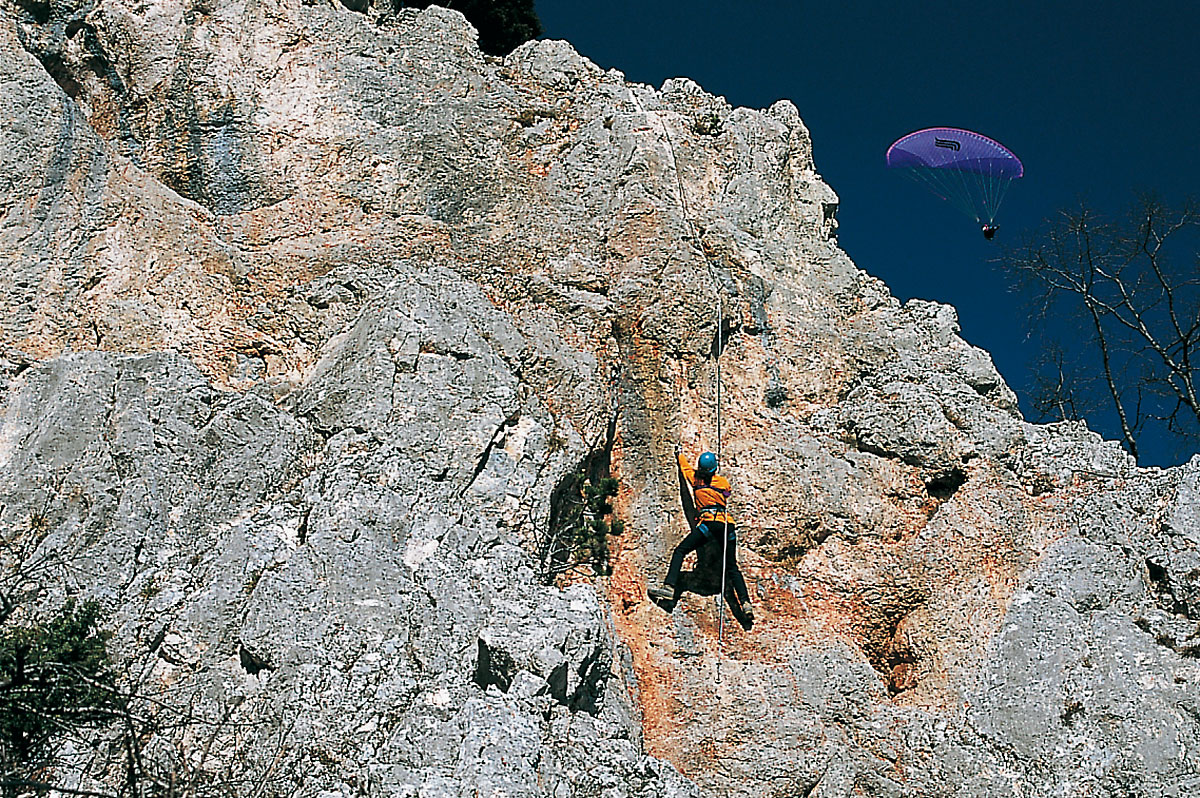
307, 313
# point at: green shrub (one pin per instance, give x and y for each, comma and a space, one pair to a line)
707, 125
579, 526
54, 679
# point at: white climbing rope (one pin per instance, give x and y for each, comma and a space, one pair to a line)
687, 217
725, 534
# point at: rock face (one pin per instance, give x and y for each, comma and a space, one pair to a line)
306, 316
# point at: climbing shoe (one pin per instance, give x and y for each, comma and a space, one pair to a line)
662, 592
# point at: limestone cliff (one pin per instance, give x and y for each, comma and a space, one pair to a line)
307, 314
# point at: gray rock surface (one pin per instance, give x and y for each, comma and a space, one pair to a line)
306, 315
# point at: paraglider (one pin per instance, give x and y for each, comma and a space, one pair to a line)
967, 168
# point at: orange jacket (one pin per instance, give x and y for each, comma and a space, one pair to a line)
710, 494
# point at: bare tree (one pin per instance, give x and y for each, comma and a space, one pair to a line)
71, 723
1132, 289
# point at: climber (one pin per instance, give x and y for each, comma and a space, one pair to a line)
710, 492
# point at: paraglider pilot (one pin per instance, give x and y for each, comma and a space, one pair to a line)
710, 492
989, 231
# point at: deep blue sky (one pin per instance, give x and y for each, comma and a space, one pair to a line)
1100, 100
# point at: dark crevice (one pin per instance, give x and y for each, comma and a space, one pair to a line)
1168, 635
589, 694
887, 646
62, 76
494, 667
983, 388
893, 657
829, 213
302, 530
96, 62
1158, 577
433, 348
165, 656
901, 672
871, 448
558, 683
158, 639
1072, 709
1161, 587
587, 287
776, 396
497, 439
323, 433
38, 10
721, 337
326, 432
944, 485
252, 663
15, 363
593, 679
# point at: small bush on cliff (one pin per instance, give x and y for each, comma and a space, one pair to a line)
54, 679
502, 24
707, 125
580, 526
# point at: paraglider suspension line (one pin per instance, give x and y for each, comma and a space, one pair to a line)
969, 191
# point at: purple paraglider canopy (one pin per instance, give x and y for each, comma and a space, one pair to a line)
954, 148
964, 167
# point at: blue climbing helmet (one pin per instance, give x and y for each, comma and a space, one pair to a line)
707, 464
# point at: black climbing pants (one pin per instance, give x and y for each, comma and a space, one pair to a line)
696, 539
